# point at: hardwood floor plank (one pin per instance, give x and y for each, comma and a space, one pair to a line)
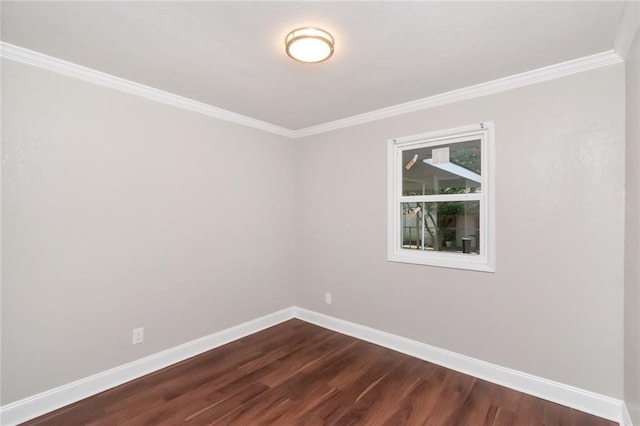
453, 392
415, 407
299, 374
320, 351
505, 417
227, 406
480, 406
264, 409
341, 402
376, 403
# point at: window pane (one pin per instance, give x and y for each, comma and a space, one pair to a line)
443, 169
452, 226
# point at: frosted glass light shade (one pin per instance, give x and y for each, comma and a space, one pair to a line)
309, 45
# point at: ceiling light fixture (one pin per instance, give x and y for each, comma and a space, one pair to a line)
309, 45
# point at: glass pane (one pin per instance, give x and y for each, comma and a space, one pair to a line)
452, 226
452, 168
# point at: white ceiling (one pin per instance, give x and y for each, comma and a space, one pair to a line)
231, 54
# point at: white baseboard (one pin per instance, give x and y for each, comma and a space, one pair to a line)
34, 406
626, 417
580, 399
590, 402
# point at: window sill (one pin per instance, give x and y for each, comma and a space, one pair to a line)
468, 262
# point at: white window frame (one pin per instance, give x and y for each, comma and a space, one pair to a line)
486, 260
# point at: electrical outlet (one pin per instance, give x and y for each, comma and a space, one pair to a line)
327, 298
138, 335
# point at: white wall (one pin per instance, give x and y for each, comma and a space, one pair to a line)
554, 306
632, 234
119, 212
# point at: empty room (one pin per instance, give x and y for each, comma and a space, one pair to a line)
310, 212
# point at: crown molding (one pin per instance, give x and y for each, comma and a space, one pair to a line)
26, 56
70, 69
627, 29
500, 85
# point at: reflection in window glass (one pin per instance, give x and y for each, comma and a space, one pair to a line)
453, 168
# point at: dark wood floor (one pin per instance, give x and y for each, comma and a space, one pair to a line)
299, 374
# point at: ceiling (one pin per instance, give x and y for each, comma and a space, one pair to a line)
231, 54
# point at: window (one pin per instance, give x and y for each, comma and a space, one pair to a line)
441, 192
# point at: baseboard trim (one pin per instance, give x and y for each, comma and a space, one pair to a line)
626, 417
37, 405
570, 396
580, 399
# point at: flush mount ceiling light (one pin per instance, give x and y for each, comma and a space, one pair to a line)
309, 45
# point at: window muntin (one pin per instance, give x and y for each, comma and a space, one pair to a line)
440, 199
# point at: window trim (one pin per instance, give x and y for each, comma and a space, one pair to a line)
486, 260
